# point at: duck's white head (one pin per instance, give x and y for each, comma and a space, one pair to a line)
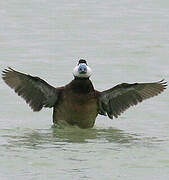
82, 70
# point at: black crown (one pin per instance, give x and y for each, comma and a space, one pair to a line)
82, 61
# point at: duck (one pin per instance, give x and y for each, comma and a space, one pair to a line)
79, 103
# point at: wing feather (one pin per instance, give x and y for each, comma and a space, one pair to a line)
36, 92
116, 100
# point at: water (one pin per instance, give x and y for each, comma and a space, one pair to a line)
123, 41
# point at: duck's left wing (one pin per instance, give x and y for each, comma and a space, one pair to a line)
36, 92
116, 100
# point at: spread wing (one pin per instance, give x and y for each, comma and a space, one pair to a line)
34, 90
116, 100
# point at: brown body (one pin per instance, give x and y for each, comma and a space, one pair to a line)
77, 106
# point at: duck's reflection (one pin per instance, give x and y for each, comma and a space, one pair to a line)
55, 137
75, 134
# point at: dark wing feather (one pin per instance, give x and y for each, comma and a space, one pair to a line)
116, 100
34, 90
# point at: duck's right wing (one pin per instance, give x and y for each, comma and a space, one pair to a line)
36, 92
116, 100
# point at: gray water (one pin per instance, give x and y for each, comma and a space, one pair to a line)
123, 41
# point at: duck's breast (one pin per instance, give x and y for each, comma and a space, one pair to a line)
77, 109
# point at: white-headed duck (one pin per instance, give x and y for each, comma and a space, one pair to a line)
78, 103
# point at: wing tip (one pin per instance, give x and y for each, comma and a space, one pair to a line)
163, 83
5, 71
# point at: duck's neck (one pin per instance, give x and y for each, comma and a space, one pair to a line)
82, 85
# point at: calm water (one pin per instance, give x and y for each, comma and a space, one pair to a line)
123, 41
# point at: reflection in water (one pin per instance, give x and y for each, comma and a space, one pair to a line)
55, 137
75, 134
58, 137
